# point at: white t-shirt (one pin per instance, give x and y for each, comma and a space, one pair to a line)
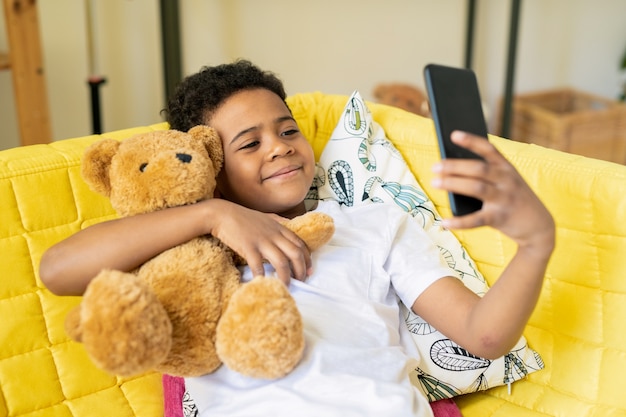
358, 350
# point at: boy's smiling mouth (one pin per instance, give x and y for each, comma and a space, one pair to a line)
285, 172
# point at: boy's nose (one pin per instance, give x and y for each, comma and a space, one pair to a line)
183, 157
280, 148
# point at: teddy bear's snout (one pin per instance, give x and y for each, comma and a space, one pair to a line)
183, 157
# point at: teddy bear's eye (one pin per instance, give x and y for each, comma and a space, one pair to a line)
143, 166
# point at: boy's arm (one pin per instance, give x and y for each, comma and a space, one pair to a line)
123, 244
490, 326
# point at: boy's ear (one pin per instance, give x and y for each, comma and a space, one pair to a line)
96, 163
212, 143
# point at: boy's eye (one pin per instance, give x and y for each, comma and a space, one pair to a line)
290, 132
250, 144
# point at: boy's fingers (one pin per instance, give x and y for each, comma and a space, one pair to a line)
297, 252
467, 186
289, 257
297, 267
469, 221
284, 274
282, 266
477, 144
256, 266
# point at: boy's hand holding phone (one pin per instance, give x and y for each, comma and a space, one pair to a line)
484, 187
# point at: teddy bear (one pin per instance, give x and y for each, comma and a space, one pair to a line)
185, 311
405, 96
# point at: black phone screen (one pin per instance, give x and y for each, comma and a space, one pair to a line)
455, 105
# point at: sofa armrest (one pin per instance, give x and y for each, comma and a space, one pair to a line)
42, 372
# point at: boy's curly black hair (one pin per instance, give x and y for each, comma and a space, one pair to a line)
200, 94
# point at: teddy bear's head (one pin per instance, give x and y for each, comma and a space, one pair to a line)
155, 170
405, 96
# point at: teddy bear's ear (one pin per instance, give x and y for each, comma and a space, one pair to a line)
212, 143
379, 91
95, 165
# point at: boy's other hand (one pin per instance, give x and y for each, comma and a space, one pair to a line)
259, 237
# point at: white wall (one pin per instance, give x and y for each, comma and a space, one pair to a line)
328, 45
335, 46
128, 54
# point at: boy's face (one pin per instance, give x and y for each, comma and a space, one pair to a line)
268, 164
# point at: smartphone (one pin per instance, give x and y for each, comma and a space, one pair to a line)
455, 104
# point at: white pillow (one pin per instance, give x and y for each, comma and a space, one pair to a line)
359, 165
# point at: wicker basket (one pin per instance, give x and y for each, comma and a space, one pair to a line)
571, 121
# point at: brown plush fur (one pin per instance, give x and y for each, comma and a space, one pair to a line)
405, 96
184, 312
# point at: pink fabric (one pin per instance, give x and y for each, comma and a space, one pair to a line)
445, 408
174, 389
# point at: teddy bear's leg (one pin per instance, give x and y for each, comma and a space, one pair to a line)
125, 330
260, 334
193, 282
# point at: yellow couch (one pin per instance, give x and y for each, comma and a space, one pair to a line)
578, 326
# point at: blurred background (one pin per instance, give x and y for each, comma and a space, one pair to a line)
334, 46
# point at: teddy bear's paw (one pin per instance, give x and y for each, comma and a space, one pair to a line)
260, 334
125, 330
314, 228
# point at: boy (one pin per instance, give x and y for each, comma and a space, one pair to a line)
358, 351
